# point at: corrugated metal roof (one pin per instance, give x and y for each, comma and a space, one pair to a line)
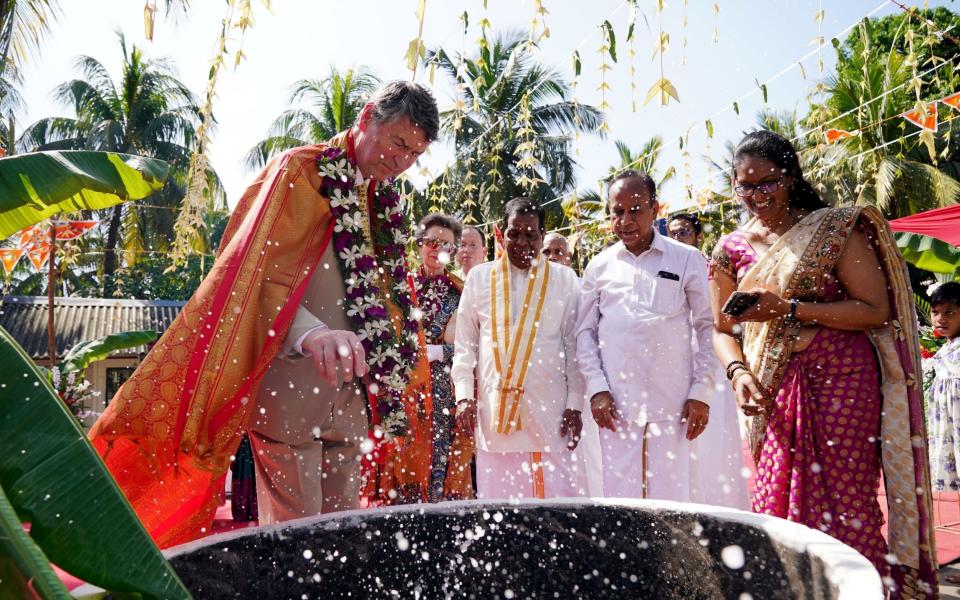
82, 319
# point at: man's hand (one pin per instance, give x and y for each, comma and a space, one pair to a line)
570, 427
336, 352
467, 417
604, 410
696, 415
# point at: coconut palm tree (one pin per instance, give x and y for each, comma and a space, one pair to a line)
148, 112
23, 24
880, 165
512, 124
332, 104
645, 160
591, 204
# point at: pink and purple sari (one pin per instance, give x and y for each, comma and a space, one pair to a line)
847, 407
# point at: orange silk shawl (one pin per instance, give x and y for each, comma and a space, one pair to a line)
170, 432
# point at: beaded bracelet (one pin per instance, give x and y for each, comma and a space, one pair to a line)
736, 363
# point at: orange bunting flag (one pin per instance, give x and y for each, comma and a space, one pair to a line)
835, 135
38, 254
29, 235
10, 257
929, 122
500, 247
74, 229
952, 100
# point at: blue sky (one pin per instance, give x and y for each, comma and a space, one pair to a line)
756, 41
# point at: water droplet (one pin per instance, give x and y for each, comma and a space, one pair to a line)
732, 556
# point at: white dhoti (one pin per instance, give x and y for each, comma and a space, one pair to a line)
517, 475
647, 461
589, 449
719, 451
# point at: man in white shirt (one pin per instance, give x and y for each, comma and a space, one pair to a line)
516, 328
649, 391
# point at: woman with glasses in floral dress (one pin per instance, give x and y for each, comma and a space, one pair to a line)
816, 327
438, 292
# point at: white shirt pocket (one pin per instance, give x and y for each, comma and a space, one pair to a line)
667, 294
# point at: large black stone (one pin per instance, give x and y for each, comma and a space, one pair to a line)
503, 550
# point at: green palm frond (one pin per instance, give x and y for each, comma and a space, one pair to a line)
147, 111
23, 25
492, 84
320, 108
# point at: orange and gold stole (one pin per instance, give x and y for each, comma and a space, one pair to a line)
513, 342
168, 434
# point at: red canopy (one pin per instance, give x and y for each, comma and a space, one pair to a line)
941, 223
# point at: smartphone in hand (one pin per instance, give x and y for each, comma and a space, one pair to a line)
739, 303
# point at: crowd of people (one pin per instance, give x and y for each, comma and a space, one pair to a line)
361, 378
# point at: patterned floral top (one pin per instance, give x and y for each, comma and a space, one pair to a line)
734, 256
943, 416
439, 297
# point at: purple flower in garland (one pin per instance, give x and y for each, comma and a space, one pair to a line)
366, 263
342, 242
408, 353
377, 312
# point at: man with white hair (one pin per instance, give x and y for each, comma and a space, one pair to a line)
557, 249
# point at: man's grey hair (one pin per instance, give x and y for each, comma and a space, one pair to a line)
553, 235
399, 99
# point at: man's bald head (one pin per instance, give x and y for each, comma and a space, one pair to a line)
557, 249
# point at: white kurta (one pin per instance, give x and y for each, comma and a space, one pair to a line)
638, 316
552, 382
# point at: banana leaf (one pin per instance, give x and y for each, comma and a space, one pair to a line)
55, 480
84, 353
24, 569
928, 253
38, 185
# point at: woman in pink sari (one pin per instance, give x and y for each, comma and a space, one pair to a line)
825, 365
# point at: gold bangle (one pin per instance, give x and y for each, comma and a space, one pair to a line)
733, 382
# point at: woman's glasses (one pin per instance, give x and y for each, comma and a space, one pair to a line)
745, 190
437, 244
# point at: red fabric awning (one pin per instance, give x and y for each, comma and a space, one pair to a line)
941, 223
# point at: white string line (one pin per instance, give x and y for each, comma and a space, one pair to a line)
729, 105
788, 68
821, 126
864, 127
532, 89
811, 173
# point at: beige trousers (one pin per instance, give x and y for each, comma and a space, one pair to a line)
306, 434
